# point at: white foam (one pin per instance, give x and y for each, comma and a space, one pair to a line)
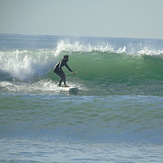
151, 52
26, 64
42, 86
130, 48
77, 46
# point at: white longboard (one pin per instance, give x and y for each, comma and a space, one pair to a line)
71, 89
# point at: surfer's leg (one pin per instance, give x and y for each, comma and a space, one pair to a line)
60, 82
63, 78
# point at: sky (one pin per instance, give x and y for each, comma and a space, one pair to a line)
98, 18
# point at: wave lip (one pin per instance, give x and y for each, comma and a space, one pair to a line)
130, 48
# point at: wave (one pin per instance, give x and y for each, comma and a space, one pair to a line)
97, 61
96, 67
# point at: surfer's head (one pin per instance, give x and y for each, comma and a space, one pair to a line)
65, 57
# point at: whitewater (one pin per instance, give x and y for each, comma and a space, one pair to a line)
114, 115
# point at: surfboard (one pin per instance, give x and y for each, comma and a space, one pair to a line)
70, 89
66, 87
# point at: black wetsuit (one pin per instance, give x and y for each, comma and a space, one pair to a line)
58, 70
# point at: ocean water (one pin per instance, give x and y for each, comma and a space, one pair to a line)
115, 114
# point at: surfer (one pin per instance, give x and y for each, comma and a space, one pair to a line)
58, 70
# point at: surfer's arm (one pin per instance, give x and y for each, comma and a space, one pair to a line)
68, 68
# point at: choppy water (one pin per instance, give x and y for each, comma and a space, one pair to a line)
115, 115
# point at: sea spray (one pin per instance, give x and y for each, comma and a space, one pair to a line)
26, 64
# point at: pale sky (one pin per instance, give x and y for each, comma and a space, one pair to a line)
106, 18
